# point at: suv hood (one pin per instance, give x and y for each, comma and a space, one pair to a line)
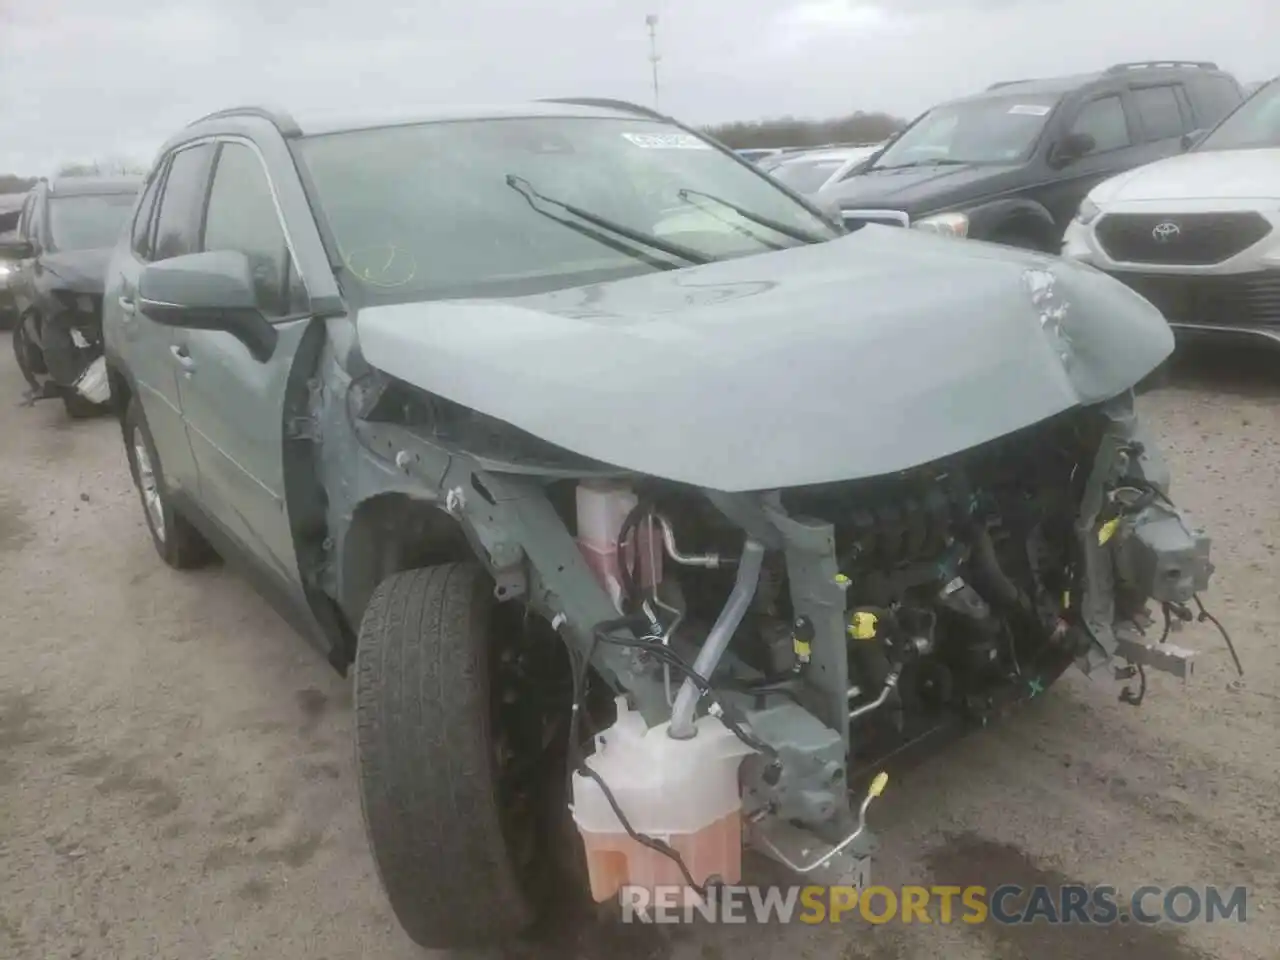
1211, 175
911, 189
875, 352
83, 271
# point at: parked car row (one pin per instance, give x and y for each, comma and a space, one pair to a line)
1198, 234
56, 264
10, 210
1013, 163
1164, 174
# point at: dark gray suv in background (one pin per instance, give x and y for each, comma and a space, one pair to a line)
1012, 163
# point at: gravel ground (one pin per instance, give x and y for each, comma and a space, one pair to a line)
176, 776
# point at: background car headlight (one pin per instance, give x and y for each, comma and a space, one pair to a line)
948, 224
1088, 212
5, 270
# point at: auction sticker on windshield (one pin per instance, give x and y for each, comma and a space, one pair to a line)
666, 141
1029, 109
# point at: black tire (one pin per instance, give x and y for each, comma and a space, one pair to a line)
179, 544
22, 353
78, 408
440, 835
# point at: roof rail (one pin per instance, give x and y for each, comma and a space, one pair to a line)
607, 103
287, 126
1156, 64
1005, 83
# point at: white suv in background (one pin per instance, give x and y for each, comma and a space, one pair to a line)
1198, 234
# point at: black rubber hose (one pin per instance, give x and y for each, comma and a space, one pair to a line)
1005, 591
625, 573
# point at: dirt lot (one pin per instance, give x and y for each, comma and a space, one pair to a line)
176, 774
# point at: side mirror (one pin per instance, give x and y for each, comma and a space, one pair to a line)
17, 250
208, 291
1071, 148
1189, 140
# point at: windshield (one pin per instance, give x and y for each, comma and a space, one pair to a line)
989, 130
1255, 124
806, 176
477, 208
88, 221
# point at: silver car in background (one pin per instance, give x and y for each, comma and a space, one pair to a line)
809, 172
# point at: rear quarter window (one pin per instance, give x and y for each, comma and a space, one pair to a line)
1159, 111
1213, 97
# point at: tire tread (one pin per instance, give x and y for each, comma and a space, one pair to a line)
425, 763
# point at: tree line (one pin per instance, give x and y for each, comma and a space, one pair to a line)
12, 183
859, 127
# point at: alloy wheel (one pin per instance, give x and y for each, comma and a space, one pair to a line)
150, 486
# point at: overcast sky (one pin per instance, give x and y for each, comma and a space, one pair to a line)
86, 78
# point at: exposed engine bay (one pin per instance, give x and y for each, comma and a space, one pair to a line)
963, 586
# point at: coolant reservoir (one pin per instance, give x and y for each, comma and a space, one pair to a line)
683, 792
602, 508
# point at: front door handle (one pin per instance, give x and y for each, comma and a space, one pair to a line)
183, 357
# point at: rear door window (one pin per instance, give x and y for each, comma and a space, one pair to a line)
178, 226
1160, 112
1104, 120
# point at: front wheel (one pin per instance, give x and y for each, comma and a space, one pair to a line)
456, 792
24, 353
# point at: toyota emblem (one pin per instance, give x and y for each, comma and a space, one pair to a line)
1166, 231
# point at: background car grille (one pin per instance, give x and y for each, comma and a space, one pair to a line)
1200, 238
1245, 299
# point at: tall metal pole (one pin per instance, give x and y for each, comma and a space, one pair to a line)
651, 21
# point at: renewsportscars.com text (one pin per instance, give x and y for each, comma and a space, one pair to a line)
1007, 904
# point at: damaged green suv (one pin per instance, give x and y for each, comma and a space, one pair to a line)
650, 509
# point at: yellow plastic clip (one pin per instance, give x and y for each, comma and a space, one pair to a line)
878, 784
862, 625
803, 649
1107, 531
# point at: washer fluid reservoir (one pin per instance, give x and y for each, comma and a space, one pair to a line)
683, 792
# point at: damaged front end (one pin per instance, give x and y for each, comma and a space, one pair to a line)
765, 653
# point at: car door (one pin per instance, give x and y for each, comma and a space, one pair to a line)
167, 225
1104, 118
233, 404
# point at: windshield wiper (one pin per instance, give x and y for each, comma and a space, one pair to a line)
934, 162
795, 233
736, 227
527, 190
